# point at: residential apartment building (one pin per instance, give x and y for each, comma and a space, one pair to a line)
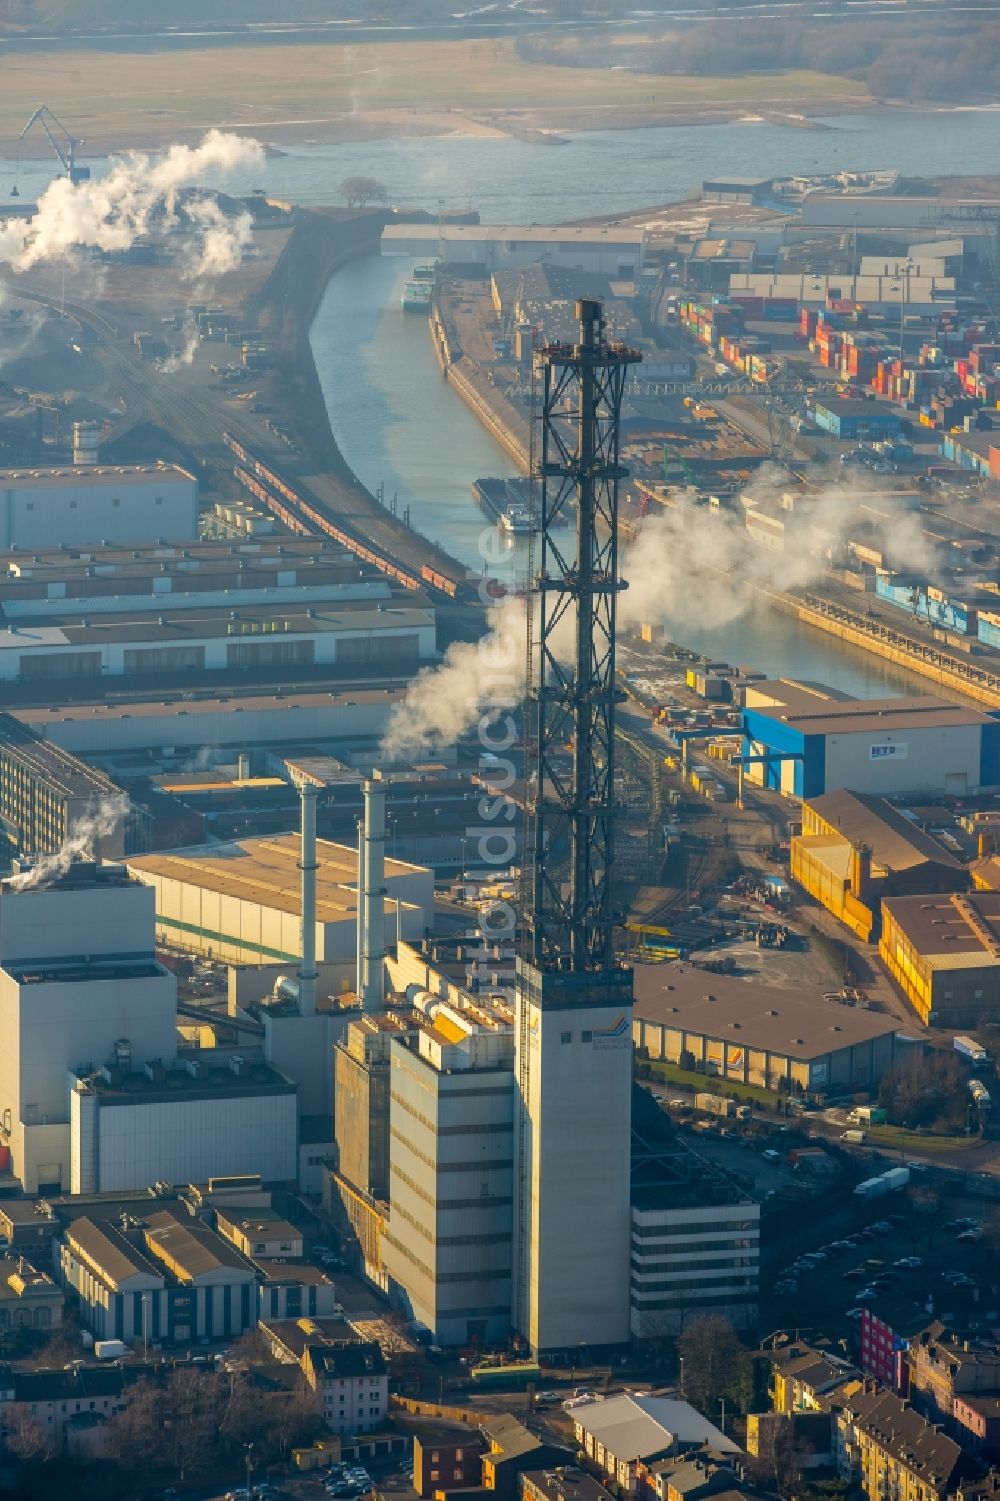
29, 1299
976, 1426
351, 1383
944, 1365
55, 1400
888, 1450
446, 1457
804, 1379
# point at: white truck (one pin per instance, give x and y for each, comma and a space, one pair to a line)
110, 1349
889, 1182
971, 1049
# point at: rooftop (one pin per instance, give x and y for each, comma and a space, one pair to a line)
295, 1335
896, 842
60, 770
266, 871
643, 1427
178, 705
564, 1484
868, 716
86, 476
950, 932
901, 1432
201, 1077
253, 623
758, 1016
347, 1360
191, 1250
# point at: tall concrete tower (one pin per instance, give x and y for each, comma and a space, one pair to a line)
573, 1057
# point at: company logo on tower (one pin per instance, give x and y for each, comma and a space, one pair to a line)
613, 1037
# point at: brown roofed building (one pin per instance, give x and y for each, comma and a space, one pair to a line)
446, 1457
891, 1450
944, 1365
944, 954
855, 848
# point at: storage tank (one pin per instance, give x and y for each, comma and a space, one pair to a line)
86, 439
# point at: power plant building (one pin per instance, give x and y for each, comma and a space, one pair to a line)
240, 901
756, 1034
91, 503
448, 1246
808, 745
944, 954
855, 848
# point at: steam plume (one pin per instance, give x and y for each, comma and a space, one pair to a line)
138, 193
82, 843
442, 703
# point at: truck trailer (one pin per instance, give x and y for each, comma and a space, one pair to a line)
971, 1049
718, 1104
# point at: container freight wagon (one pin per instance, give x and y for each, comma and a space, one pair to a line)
715, 1104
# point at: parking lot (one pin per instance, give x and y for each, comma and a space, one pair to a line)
907, 1261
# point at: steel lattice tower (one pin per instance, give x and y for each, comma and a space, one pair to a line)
573, 1007
571, 651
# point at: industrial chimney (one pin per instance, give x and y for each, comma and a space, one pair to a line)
307, 867
371, 900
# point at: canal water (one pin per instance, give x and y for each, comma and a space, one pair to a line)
396, 420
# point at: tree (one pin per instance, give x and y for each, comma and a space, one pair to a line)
27, 1439
716, 1365
360, 191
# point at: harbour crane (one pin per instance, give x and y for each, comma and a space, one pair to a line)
65, 153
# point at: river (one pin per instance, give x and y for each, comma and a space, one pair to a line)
395, 419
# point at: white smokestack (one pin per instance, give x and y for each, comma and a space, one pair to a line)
371, 905
307, 867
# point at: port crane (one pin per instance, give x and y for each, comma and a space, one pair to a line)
66, 153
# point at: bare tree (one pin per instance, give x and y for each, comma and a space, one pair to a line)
360, 191
27, 1439
716, 1364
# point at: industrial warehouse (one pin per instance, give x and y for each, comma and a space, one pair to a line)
131, 503
239, 901
805, 748
944, 954
855, 849
755, 1034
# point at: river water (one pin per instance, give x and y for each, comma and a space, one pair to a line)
396, 420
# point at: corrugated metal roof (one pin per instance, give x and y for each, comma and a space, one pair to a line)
636, 1427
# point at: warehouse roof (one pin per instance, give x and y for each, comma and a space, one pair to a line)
758, 1016
867, 716
211, 703
960, 931
191, 1250
87, 475
266, 871
109, 1253
641, 1427
896, 842
253, 624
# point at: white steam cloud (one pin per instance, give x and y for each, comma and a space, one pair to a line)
474, 678
138, 194
185, 355
685, 553
83, 843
